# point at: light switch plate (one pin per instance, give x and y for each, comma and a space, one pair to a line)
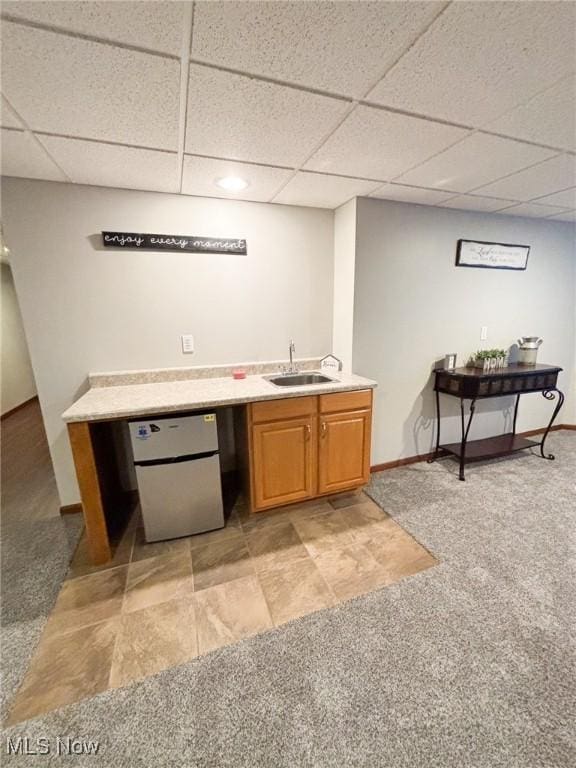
187, 344
483, 333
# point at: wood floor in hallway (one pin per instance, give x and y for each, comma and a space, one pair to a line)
36, 543
28, 485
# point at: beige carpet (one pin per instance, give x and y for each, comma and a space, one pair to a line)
470, 664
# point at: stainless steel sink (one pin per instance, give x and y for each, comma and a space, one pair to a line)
298, 379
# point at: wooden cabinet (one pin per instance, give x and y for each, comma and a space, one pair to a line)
344, 451
283, 458
299, 448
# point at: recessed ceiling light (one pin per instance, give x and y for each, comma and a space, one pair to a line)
232, 183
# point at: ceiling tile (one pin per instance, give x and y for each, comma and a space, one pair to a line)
405, 194
21, 156
546, 178
7, 117
64, 85
343, 47
549, 118
479, 59
153, 25
568, 216
241, 118
322, 191
478, 159
107, 165
200, 174
565, 199
380, 145
532, 210
476, 203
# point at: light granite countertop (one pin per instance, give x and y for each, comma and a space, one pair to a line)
133, 400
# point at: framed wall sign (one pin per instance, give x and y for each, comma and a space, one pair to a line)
477, 253
192, 243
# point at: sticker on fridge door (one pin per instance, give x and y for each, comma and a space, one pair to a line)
143, 432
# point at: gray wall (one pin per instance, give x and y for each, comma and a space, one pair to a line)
17, 382
412, 305
88, 309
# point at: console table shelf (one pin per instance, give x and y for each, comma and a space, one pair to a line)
490, 447
473, 384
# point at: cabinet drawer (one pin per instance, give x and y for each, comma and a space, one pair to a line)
290, 408
345, 401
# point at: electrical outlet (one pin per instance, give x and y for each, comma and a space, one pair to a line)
483, 333
187, 344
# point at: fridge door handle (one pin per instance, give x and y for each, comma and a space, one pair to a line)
175, 459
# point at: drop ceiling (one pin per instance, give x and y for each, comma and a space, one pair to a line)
468, 105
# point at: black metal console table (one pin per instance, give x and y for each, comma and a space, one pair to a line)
473, 384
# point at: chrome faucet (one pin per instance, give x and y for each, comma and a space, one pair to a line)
291, 350
290, 368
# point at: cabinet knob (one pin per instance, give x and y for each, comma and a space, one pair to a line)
308, 431
323, 429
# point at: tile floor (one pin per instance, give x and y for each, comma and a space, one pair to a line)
158, 605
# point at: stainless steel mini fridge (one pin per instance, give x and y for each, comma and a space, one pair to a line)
178, 473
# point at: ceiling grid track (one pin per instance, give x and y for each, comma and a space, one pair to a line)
532, 98
184, 78
471, 192
513, 173
88, 38
539, 145
28, 131
108, 142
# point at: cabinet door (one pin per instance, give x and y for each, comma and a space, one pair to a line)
344, 450
284, 459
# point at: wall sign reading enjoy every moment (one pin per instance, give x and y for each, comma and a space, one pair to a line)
476, 253
192, 243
